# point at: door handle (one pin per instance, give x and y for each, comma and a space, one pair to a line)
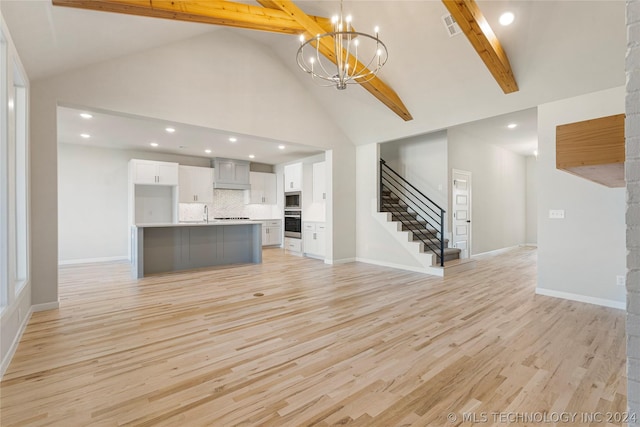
469, 220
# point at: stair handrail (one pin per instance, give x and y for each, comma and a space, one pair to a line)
437, 224
382, 162
389, 183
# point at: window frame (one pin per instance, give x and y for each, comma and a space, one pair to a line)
4, 173
21, 181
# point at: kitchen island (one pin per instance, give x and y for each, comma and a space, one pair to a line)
161, 248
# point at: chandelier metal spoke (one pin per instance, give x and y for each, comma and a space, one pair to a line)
349, 47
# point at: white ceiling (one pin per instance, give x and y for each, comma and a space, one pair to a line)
522, 139
557, 49
119, 131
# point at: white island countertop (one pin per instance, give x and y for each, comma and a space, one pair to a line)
200, 224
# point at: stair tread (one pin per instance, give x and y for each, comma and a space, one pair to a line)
421, 230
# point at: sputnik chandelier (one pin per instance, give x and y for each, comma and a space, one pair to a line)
358, 56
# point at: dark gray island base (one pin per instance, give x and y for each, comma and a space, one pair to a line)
161, 248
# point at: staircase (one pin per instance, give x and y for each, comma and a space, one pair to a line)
427, 236
416, 214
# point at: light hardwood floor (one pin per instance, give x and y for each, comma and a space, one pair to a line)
324, 345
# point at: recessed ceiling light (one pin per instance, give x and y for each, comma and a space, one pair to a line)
85, 115
233, 139
85, 135
170, 130
207, 151
506, 18
512, 125
281, 147
153, 144
251, 156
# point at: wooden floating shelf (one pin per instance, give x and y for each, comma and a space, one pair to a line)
593, 149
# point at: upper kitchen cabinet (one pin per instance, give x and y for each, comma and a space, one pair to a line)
231, 174
319, 183
151, 172
153, 192
263, 188
195, 184
293, 177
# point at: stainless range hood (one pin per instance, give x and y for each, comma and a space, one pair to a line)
230, 174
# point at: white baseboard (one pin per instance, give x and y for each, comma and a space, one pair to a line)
582, 298
46, 306
432, 271
339, 261
91, 260
14, 345
503, 250
496, 251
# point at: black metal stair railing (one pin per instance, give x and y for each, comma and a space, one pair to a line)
415, 211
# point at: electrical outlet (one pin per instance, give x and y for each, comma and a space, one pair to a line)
621, 280
556, 213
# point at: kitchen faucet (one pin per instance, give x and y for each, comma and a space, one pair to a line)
206, 214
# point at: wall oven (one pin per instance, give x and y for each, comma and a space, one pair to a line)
293, 224
292, 200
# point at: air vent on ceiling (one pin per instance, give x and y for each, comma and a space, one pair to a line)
453, 29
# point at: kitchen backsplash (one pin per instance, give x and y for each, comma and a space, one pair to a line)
226, 203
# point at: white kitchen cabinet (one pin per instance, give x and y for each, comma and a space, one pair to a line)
313, 239
293, 177
293, 245
231, 174
263, 188
150, 172
195, 184
319, 183
272, 233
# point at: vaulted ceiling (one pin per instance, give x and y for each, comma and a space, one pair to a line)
556, 49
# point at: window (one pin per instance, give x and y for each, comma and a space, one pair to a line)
14, 175
20, 183
4, 177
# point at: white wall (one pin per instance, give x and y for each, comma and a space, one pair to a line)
93, 201
498, 211
341, 203
580, 256
531, 235
204, 81
374, 244
421, 160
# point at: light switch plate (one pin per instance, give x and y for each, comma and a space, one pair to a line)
556, 213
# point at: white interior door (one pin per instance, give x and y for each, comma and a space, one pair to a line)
461, 212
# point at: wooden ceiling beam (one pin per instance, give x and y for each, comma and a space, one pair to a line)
475, 26
269, 4
275, 16
216, 12
375, 86
325, 23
